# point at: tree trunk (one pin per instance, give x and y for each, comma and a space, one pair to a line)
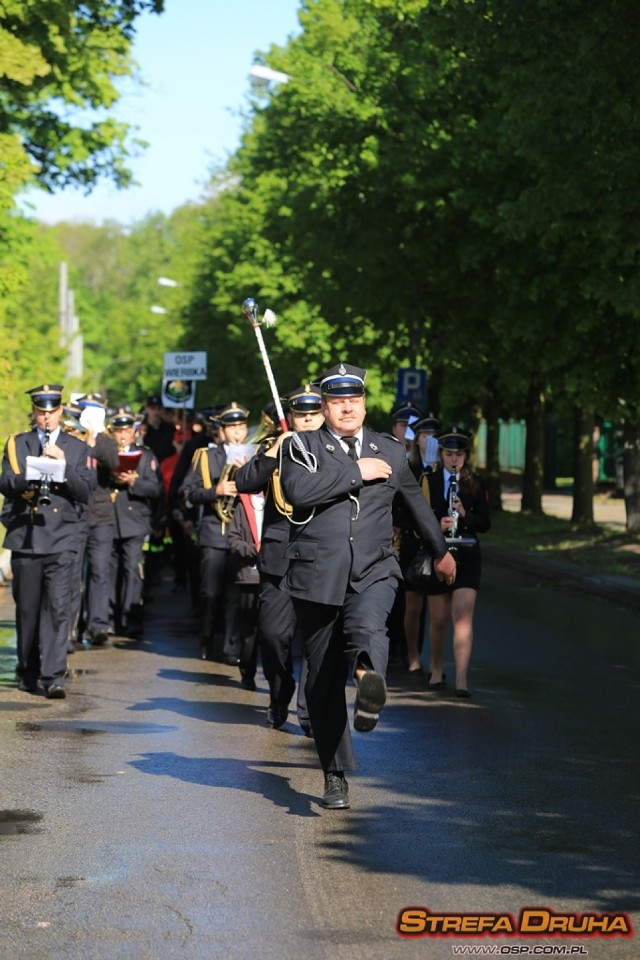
534, 452
434, 390
583, 421
492, 468
631, 467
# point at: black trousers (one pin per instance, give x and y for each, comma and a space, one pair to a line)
277, 620
99, 600
335, 640
247, 628
127, 578
42, 589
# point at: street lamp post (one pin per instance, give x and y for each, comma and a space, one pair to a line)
262, 76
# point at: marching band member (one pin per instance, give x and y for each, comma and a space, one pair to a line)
402, 417
423, 460
44, 532
136, 489
343, 572
465, 510
210, 485
102, 524
276, 616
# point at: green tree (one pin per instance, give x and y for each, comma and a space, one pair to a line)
59, 61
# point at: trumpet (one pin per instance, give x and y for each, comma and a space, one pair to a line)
44, 494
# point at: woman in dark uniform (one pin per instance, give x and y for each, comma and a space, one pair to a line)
455, 603
423, 461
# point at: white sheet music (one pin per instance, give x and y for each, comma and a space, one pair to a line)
238, 451
40, 467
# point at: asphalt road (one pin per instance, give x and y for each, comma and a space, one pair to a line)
153, 815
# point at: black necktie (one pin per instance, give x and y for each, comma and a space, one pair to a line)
351, 443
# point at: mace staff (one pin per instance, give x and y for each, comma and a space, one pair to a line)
250, 310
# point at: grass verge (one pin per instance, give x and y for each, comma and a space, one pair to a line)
599, 548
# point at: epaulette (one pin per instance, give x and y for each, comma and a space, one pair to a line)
13, 454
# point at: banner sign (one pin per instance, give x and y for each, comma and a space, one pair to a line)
185, 366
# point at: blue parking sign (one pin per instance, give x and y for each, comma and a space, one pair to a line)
412, 387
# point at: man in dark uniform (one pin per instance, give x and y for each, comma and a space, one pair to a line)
183, 517
343, 572
158, 433
102, 527
44, 532
209, 484
276, 616
136, 488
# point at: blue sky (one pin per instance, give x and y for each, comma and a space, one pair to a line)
195, 59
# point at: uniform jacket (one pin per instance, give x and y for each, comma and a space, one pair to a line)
136, 506
101, 509
477, 517
254, 476
244, 551
160, 439
347, 543
58, 526
211, 532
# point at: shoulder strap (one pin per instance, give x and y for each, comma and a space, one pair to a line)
13, 454
424, 485
203, 462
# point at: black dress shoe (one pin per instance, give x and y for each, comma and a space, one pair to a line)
99, 638
277, 716
231, 661
28, 685
55, 691
336, 791
371, 697
306, 729
462, 693
247, 683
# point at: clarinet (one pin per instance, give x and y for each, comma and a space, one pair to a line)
44, 496
453, 513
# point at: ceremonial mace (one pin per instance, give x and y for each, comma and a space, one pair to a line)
250, 310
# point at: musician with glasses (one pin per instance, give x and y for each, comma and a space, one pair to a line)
45, 531
210, 487
460, 501
343, 572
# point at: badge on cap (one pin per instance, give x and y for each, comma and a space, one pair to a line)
46, 397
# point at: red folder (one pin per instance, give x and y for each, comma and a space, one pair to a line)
129, 461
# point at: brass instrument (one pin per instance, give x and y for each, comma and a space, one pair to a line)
71, 424
224, 506
44, 494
